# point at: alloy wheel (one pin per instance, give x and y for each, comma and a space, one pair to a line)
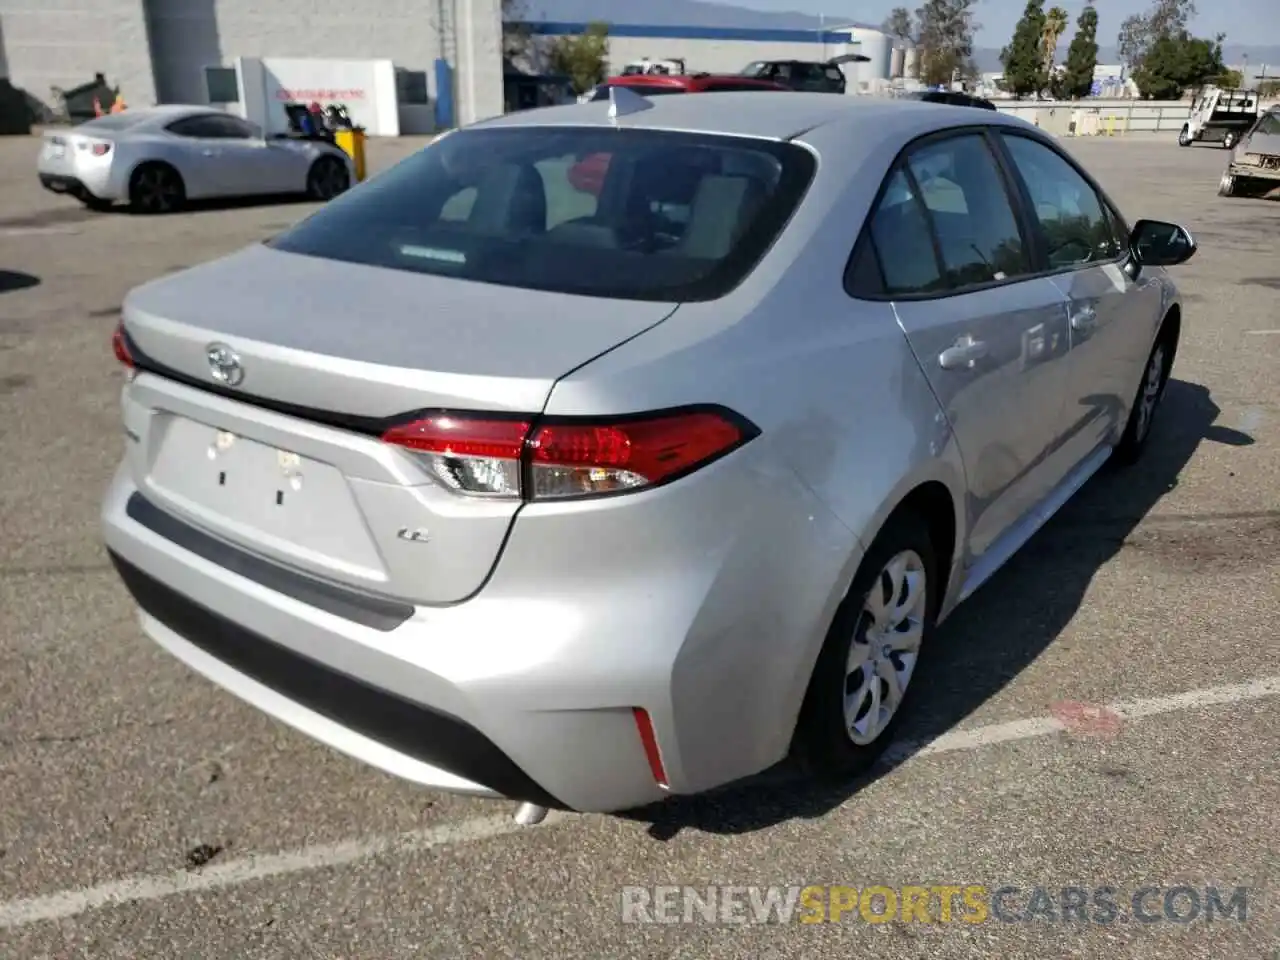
1152, 387
885, 648
156, 190
328, 180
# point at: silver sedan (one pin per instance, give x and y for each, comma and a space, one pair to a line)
630, 447
157, 158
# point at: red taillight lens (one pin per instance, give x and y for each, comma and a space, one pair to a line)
562, 459
571, 460
100, 149
120, 347
468, 455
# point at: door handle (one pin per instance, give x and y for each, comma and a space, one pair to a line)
962, 354
1084, 320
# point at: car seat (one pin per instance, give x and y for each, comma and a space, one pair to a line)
510, 199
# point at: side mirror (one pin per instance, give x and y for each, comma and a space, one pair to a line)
1155, 243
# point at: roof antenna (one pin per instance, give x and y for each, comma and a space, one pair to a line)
624, 102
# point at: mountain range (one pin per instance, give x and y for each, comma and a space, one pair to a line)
701, 13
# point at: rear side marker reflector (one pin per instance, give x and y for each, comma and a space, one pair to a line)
649, 740
560, 459
120, 347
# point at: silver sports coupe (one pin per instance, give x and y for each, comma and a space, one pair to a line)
157, 158
586, 490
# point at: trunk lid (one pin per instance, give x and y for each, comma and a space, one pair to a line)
287, 462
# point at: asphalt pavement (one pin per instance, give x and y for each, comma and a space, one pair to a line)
1104, 715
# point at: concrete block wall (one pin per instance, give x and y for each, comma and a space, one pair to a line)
64, 43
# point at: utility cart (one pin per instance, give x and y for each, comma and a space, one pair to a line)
1220, 115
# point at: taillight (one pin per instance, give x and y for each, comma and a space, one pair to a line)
467, 455
99, 149
561, 459
120, 347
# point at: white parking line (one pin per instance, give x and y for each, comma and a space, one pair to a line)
232, 873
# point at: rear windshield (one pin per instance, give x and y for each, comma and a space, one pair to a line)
628, 214
113, 121
1269, 124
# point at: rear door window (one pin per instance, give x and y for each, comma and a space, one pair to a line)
900, 232
626, 213
969, 207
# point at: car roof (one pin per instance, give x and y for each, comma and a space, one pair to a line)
148, 117
750, 115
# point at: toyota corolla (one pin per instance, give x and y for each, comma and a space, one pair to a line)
589, 498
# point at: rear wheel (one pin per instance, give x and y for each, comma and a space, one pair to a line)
1229, 140
1155, 375
862, 676
1184, 137
1227, 185
327, 178
156, 188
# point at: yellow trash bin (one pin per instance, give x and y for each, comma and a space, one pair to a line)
351, 142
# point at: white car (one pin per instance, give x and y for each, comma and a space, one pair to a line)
157, 158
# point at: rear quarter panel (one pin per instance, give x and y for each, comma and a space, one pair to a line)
849, 426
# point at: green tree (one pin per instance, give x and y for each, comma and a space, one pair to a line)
901, 25
1055, 25
1076, 79
1231, 79
1024, 72
945, 29
584, 58
1140, 32
1177, 63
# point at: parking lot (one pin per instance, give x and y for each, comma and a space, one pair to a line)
1105, 713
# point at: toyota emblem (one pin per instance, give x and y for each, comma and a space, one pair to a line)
224, 365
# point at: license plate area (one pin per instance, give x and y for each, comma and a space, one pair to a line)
270, 499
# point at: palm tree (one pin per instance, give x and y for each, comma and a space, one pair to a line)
1055, 24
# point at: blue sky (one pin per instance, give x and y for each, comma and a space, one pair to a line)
1243, 21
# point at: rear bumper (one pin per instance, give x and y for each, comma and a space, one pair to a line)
434, 739
77, 180
1255, 172
527, 690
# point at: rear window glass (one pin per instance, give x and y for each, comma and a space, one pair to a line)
628, 214
1269, 125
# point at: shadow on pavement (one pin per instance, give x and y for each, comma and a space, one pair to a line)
11, 280
994, 635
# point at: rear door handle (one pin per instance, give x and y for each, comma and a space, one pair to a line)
1084, 319
962, 354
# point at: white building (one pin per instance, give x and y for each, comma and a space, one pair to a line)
728, 50
424, 63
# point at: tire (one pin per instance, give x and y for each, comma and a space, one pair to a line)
1184, 137
833, 738
156, 188
1227, 186
327, 178
1229, 140
1146, 401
